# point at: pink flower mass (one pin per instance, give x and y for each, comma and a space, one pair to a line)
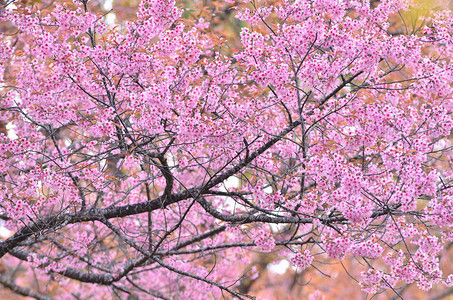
156, 159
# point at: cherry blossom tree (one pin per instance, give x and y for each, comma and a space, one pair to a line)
152, 159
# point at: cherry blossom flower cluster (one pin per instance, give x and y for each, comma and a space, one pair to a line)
302, 259
264, 241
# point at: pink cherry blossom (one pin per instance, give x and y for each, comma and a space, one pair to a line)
162, 147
